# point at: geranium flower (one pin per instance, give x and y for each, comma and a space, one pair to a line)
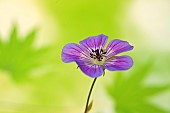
93, 59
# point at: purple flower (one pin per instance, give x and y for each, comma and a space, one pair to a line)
93, 59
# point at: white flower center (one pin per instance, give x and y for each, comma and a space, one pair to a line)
97, 62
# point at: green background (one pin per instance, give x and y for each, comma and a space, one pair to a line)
33, 79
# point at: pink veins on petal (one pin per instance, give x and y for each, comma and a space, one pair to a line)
93, 59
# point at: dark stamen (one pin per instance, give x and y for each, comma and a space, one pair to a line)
97, 54
92, 50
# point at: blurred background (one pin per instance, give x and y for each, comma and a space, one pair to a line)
33, 79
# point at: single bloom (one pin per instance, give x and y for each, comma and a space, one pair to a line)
93, 59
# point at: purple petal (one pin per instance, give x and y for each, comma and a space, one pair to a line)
94, 42
117, 46
72, 52
119, 63
90, 69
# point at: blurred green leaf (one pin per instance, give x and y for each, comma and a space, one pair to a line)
131, 95
18, 55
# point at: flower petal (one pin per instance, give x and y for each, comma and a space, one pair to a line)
72, 52
94, 42
119, 63
117, 46
90, 69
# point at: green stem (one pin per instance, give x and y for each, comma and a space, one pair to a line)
87, 103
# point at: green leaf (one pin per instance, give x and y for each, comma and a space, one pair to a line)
154, 90
148, 108
29, 39
13, 35
19, 57
129, 94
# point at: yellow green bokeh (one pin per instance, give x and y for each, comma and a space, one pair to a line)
33, 78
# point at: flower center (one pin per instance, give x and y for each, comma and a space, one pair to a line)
97, 55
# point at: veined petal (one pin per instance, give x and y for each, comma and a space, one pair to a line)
117, 46
118, 63
94, 42
89, 68
72, 52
